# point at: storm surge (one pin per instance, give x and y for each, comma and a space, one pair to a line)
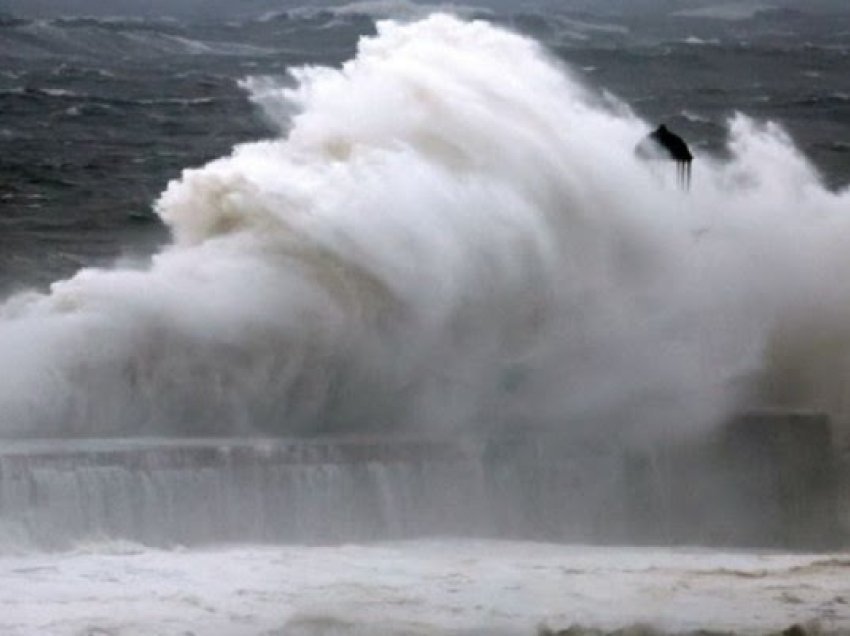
451, 234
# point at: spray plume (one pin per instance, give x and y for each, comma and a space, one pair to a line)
451, 234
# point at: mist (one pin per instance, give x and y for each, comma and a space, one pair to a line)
430, 247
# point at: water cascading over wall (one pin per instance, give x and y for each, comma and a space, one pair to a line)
210, 491
768, 480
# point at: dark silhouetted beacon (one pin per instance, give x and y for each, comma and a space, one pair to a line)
667, 145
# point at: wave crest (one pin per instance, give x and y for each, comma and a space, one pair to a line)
451, 233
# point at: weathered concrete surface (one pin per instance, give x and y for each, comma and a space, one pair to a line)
767, 479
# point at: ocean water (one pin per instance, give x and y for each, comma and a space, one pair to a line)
98, 115
432, 226
417, 588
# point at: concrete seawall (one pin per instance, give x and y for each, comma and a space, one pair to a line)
767, 479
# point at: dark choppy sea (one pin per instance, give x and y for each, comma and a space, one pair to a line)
97, 115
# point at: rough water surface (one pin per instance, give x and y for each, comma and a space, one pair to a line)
445, 587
